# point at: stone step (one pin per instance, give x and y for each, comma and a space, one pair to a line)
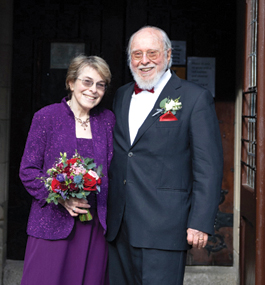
194, 275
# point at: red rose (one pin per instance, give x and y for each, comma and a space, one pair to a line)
89, 183
63, 187
73, 187
55, 185
72, 161
60, 166
99, 181
66, 170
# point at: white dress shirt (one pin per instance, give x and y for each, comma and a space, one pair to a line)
142, 104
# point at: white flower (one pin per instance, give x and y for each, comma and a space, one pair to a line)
170, 105
173, 105
49, 180
177, 106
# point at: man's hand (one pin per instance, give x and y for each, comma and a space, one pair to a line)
196, 238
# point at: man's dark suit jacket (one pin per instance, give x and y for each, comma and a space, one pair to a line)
170, 178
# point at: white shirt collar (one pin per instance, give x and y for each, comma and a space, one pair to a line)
162, 81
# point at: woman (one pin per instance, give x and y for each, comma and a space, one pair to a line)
60, 248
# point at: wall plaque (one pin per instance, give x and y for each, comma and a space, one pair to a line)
201, 70
178, 52
62, 53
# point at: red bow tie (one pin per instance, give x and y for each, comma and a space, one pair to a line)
137, 89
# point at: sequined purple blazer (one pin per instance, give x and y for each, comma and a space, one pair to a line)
53, 131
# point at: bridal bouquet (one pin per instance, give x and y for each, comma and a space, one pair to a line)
75, 177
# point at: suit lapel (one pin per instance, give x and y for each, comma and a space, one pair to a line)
170, 90
125, 112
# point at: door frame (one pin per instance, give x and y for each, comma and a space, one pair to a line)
260, 159
259, 214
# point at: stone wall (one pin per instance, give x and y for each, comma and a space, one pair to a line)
6, 19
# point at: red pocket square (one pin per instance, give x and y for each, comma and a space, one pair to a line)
168, 116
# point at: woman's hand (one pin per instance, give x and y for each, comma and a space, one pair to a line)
74, 206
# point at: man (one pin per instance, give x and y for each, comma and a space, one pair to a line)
166, 173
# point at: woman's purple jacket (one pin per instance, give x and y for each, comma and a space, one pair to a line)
53, 131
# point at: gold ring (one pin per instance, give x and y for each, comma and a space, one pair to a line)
200, 238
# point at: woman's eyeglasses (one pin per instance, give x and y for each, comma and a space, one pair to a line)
88, 83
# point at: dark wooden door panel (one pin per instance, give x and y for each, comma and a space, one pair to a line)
247, 252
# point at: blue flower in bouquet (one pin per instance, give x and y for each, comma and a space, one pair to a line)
60, 178
78, 179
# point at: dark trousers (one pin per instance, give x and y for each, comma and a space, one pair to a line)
129, 265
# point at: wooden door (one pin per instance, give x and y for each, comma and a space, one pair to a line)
253, 150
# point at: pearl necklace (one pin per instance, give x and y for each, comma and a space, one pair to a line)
84, 124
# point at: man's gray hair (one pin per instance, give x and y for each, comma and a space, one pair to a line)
166, 42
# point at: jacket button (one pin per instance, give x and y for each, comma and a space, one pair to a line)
124, 181
130, 154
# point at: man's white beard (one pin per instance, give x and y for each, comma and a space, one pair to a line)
147, 84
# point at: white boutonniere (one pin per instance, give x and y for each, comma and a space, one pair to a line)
169, 105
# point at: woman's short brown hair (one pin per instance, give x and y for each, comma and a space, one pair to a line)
81, 61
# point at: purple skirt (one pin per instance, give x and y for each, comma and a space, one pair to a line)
81, 259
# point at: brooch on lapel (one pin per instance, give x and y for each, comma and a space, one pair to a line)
169, 108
